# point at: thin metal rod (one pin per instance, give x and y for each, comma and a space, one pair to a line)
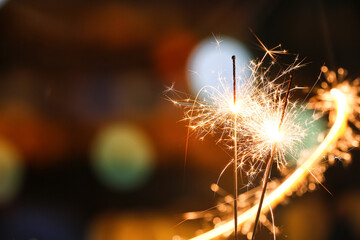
234, 79
264, 186
235, 157
270, 162
286, 101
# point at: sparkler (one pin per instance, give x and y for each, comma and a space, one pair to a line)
296, 178
257, 110
338, 97
249, 126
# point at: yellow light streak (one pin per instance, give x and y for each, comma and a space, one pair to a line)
290, 184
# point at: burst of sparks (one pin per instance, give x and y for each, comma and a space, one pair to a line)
258, 111
250, 116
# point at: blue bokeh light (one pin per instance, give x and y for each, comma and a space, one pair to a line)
211, 60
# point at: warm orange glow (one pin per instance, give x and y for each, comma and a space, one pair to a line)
291, 183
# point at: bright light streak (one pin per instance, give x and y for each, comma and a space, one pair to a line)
291, 183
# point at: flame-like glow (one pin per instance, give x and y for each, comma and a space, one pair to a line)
291, 183
235, 108
273, 132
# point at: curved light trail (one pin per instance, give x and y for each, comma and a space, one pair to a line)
296, 177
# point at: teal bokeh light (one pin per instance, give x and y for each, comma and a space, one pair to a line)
11, 172
313, 129
123, 157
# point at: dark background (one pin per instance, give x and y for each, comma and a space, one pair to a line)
70, 69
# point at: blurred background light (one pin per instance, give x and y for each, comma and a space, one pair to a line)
171, 54
123, 156
314, 130
10, 172
102, 95
207, 62
348, 214
30, 132
34, 221
127, 226
306, 219
2, 2
115, 25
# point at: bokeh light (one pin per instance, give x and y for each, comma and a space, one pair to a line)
40, 221
315, 128
126, 226
115, 25
208, 62
10, 172
3, 2
306, 220
171, 54
30, 132
123, 156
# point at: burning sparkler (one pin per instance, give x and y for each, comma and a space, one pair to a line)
246, 116
337, 97
295, 180
257, 109
249, 116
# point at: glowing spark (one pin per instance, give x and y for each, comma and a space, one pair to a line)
274, 134
235, 108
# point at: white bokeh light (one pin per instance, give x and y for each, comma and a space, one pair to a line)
2, 2
211, 59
